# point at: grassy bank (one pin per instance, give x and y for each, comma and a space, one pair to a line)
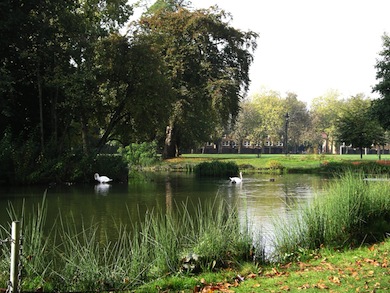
277, 163
338, 242
364, 269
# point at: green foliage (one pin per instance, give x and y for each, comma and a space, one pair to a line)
75, 85
216, 169
207, 61
274, 165
67, 167
356, 125
140, 154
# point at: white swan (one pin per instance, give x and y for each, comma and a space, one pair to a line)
102, 179
235, 180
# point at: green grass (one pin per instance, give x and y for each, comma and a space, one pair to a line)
364, 269
251, 163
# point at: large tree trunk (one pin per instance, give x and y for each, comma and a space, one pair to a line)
171, 148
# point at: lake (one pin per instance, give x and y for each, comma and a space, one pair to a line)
259, 198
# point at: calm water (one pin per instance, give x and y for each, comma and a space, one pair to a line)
259, 197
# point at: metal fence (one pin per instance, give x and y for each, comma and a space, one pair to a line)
15, 264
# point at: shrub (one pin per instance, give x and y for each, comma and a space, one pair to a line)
357, 166
274, 165
216, 169
140, 155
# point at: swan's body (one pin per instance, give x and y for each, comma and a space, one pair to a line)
102, 179
236, 180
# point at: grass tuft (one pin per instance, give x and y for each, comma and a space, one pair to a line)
352, 212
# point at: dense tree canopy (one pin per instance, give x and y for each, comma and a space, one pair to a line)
70, 82
355, 125
208, 64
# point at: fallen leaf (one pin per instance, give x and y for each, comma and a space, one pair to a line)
335, 280
302, 266
251, 276
372, 261
304, 287
321, 286
285, 288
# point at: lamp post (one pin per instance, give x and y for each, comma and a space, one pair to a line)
287, 117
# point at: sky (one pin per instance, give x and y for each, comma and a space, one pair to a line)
310, 47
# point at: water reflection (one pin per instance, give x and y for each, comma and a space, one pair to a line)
258, 198
102, 189
168, 194
264, 199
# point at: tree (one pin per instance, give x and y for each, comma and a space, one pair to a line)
299, 120
270, 107
248, 125
48, 60
381, 107
33, 47
136, 92
324, 113
355, 125
70, 82
208, 64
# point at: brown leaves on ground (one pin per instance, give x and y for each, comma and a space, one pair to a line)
362, 274
224, 287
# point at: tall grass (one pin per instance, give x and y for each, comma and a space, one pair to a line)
67, 258
36, 247
352, 212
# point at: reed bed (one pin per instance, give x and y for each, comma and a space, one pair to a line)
352, 212
69, 259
